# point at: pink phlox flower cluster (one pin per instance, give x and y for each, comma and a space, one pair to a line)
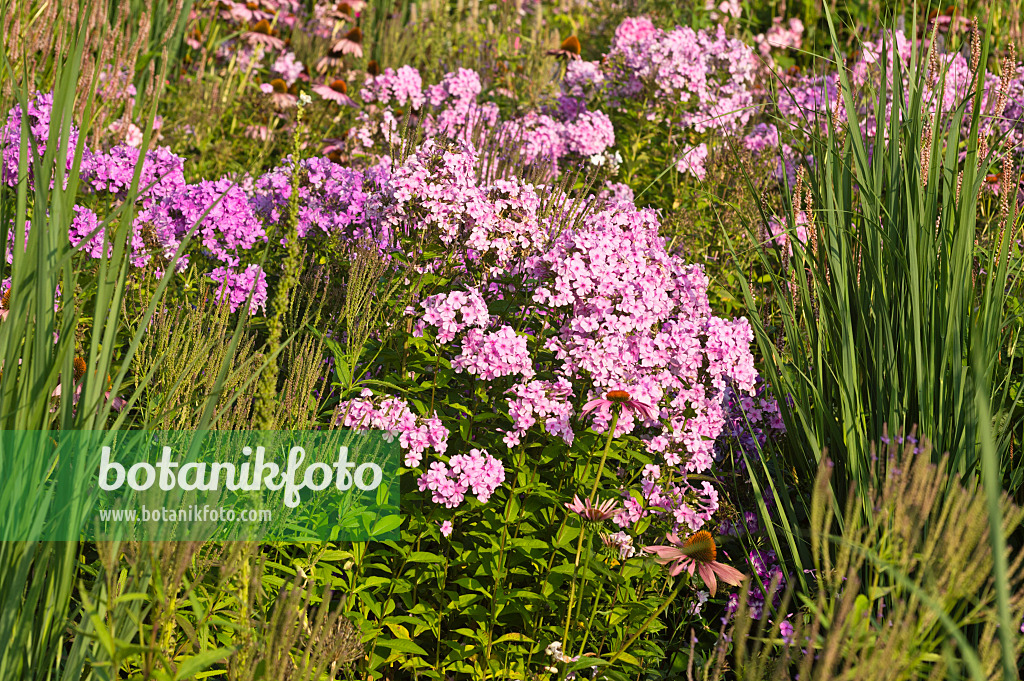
235, 286
547, 401
287, 67
495, 354
448, 483
692, 161
616, 193
780, 235
541, 136
894, 44
638, 319
711, 73
780, 36
450, 109
452, 312
403, 87
590, 133
686, 505
416, 433
582, 77
459, 87
227, 222
82, 225
764, 137
632, 512
504, 223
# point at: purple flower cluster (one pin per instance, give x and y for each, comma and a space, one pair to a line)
162, 175
331, 197
766, 565
40, 109
449, 483
436, 190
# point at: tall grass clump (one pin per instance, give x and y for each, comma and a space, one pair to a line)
64, 613
883, 289
908, 593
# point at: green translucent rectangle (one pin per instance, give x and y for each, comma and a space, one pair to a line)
289, 486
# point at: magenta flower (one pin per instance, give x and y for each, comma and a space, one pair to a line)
591, 513
446, 528
696, 553
621, 397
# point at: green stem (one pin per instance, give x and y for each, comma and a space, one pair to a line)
604, 457
572, 588
647, 623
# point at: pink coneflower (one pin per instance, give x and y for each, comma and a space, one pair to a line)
350, 43
279, 95
241, 11
262, 34
352, 5
569, 49
594, 514
629, 405
696, 553
79, 371
337, 91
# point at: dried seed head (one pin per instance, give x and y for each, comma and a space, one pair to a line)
975, 46
1009, 69
933, 58
926, 150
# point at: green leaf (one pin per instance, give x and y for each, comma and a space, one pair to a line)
402, 646
193, 665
